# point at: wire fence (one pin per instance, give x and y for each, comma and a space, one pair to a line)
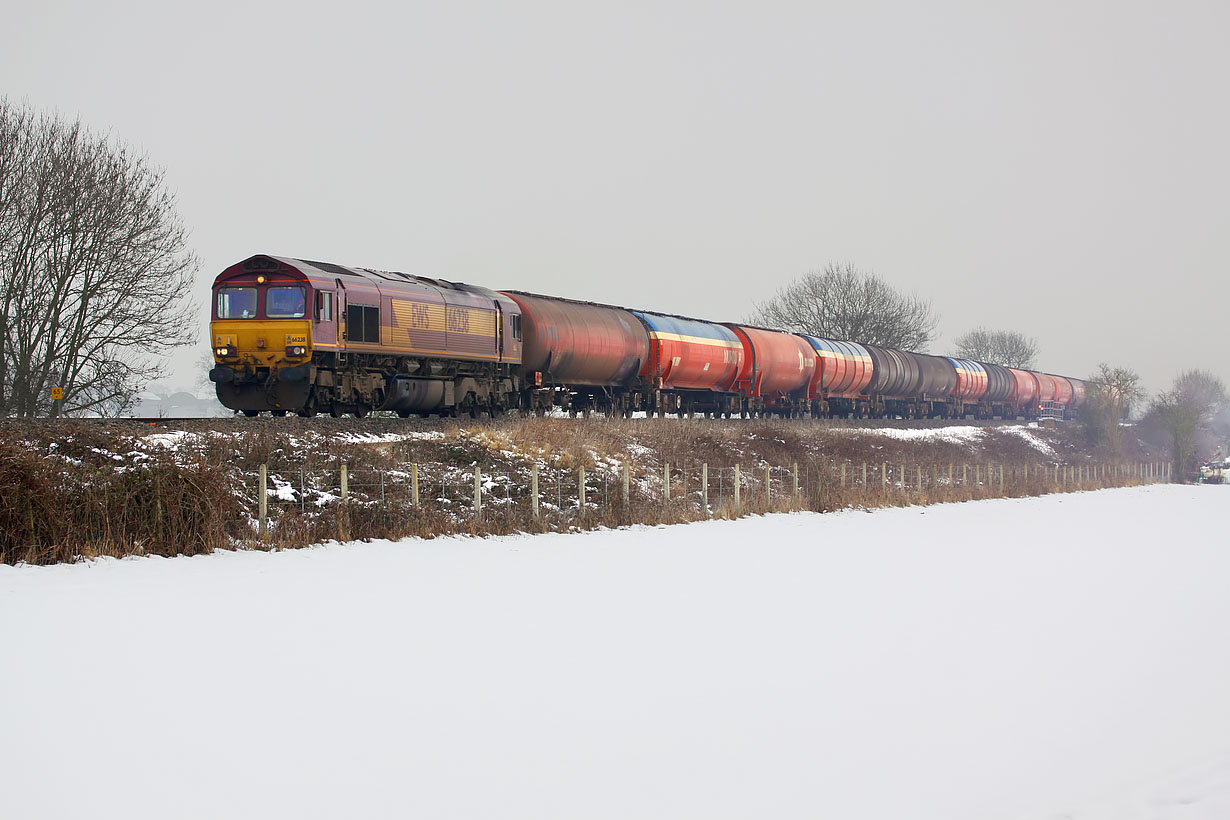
437, 497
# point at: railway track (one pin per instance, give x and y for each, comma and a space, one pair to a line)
392, 423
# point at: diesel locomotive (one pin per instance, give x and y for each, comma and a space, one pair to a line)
291, 335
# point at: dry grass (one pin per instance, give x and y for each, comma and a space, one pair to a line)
74, 490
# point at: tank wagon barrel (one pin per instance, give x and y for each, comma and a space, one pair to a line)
1000, 384
598, 349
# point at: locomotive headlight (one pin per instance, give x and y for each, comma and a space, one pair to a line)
296, 350
223, 352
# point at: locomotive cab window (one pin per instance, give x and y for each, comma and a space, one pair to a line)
516, 325
236, 303
285, 302
324, 305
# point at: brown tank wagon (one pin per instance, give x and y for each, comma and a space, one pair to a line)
1000, 384
596, 348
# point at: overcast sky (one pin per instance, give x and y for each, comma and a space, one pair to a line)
1058, 168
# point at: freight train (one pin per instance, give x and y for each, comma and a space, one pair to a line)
290, 335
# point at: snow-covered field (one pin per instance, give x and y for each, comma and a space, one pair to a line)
1058, 657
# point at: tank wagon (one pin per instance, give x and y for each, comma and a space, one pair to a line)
693, 366
293, 335
846, 368
779, 373
580, 355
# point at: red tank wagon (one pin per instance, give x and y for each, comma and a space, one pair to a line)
971, 381
845, 371
778, 370
1024, 395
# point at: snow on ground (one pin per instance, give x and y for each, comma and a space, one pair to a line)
901, 664
957, 434
965, 435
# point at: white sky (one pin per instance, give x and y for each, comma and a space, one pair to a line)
1054, 167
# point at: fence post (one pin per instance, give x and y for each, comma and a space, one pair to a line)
262, 503
884, 477
627, 480
918, 476
704, 488
864, 476
950, 475
738, 501
478, 491
414, 485
534, 490
666, 482
843, 475
343, 518
794, 471
768, 487
581, 489
1001, 479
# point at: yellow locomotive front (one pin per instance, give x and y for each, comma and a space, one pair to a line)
261, 330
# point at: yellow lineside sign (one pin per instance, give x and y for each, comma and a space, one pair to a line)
57, 393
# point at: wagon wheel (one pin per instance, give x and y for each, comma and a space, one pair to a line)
251, 413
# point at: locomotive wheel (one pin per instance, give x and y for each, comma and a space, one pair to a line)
306, 412
278, 412
251, 413
361, 411
335, 410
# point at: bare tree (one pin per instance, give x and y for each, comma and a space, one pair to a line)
94, 268
1111, 394
843, 302
1184, 411
1008, 348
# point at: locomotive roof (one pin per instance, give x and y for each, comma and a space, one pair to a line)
266, 261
